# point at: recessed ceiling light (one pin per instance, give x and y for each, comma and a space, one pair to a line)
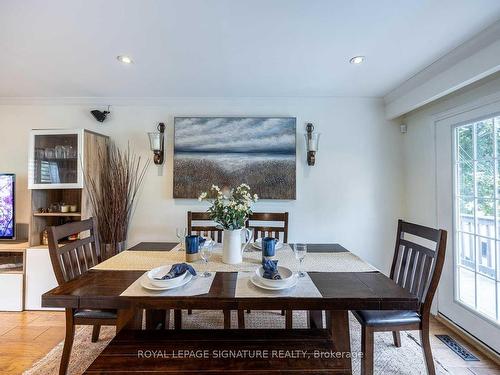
124, 59
357, 60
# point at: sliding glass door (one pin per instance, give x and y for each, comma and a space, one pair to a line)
468, 206
477, 214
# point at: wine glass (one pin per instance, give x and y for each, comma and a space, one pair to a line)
206, 253
300, 251
181, 234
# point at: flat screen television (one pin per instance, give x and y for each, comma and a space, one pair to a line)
7, 206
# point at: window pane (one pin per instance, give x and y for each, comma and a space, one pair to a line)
465, 143
465, 214
486, 294
485, 216
485, 177
497, 161
466, 253
465, 174
498, 261
484, 139
485, 256
497, 130
466, 287
498, 300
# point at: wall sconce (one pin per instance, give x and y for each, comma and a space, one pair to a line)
156, 143
312, 140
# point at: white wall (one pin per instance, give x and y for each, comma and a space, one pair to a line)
352, 196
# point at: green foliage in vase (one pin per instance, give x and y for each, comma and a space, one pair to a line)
230, 210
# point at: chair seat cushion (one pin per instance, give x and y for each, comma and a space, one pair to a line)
388, 317
95, 314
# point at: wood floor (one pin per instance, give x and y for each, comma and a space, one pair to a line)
26, 337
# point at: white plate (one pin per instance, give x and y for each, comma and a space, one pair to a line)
162, 271
286, 274
145, 283
255, 281
258, 244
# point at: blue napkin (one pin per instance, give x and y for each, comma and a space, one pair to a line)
271, 270
177, 270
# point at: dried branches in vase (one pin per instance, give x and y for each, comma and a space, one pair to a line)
112, 192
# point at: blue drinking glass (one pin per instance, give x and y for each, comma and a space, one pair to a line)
268, 247
193, 243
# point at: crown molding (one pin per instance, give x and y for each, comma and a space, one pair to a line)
160, 101
473, 60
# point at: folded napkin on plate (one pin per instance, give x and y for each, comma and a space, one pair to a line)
271, 270
177, 270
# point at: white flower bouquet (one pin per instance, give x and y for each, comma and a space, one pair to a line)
230, 211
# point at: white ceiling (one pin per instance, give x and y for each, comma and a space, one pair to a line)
62, 48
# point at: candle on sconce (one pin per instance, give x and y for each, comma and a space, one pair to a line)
312, 140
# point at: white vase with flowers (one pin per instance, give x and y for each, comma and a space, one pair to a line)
230, 210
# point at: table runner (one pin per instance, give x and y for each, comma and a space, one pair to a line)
305, 288
314, 262
198, 285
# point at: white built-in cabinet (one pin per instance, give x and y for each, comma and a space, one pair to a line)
11, 290
40, 277
12, 267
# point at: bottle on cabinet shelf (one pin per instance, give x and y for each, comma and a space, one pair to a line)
44, 237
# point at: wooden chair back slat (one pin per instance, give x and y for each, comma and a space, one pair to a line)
418, 273
203, 230
70, 260
425, 278
410, 273
81, 259
74, 262
66, 263
417, 267
87, 253
402, 268
199, 216
279, 231
428, 233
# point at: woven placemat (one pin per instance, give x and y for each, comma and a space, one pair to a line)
314, 262
304, 288
197, 286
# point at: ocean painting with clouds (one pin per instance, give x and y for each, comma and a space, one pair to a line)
228, 151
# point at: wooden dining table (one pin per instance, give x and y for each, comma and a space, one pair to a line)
340, 292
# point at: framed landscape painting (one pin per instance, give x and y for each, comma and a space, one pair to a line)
228, 151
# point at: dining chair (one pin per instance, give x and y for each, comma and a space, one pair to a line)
417, 265
69, 261
201, 224
268, 224
276, 225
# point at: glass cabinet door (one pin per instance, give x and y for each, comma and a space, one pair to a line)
54, 161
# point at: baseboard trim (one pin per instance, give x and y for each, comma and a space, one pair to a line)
468, 338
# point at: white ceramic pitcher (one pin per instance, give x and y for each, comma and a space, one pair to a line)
232, 251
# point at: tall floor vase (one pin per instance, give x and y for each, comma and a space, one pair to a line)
110, 250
